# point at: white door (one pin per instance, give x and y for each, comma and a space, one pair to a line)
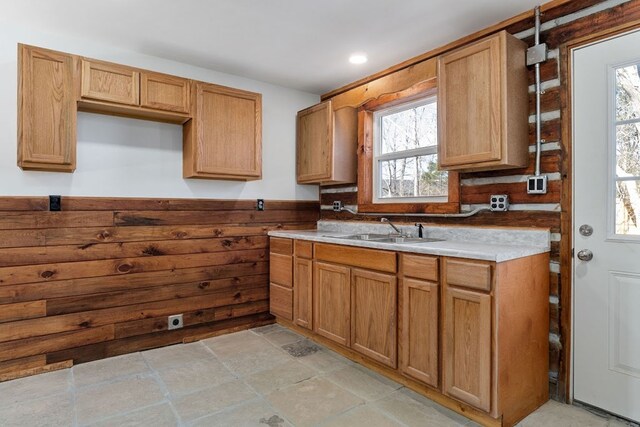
606, 132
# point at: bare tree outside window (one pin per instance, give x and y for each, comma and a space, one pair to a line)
405, 153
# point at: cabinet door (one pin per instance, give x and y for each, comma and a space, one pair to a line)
419, 355
314, 148
469, 104
110, 82
224, 138
281, 301
332, 302
164, 92
467, 347
373, 315
46, 110
303, 292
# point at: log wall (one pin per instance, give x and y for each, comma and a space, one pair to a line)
560, 26
100, 277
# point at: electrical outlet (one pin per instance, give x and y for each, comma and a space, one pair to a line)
175, 322
260, 205
537, 184
337, 206
55, 203
499, 202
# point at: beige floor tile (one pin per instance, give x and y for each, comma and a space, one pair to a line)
246, 363
35, 387
313, 401
324, 361
210, 400
414, 413
56, 410
233, 345
257, 413
194, 375
266, 329
109, 369
176, 354
301, 348
96, 402
362, 416
555, 413
461, 419
362, 382
283, 337
153, 416
283, 375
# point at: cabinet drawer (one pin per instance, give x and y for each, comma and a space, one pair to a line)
164, 92
109, 82
469, 274
281, 246
357, 257
281, 301
281, 269
419, 267
303, 249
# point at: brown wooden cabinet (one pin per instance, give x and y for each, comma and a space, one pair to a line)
46, 110
110, 82
374, 315
420, 311
281, 278
332, 302
163, 92
303, 284
224, 137
467, 347
326, 145
483, 105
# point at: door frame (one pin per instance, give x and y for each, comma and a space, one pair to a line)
567, 299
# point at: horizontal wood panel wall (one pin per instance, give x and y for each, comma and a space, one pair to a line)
100, 277
553, 210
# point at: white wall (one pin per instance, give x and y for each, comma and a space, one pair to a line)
121, 157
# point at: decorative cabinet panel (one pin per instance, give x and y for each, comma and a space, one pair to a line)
110, 82
467, 347
332, 302
373, 315
419, 340
303, 293
163, 92
326, 145
46, 110
224, 137
483, 105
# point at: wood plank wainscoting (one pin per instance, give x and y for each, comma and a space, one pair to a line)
100, 277
563, 22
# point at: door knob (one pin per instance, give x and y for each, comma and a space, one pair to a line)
585, 255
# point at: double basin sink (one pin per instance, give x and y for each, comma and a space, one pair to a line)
387, 238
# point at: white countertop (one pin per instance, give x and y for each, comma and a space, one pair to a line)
474, 249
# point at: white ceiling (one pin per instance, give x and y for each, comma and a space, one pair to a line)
302, 44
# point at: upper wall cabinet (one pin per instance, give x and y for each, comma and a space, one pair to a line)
164, 92
483, 104
46, 110
222, 127
327, 141
224, 138
109, 82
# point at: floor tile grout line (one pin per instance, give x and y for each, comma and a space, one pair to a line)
165, 390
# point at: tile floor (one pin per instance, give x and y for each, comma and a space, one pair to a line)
268, 376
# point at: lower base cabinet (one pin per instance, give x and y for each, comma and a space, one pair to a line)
373, 315
281, 301
332, 302
303, 292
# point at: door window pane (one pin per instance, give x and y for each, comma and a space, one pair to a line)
628, 207
628, 150
628, 92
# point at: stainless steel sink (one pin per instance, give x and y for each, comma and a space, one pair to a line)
366, 236
409, 240
386, 238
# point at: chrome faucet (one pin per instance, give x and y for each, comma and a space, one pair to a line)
391, 224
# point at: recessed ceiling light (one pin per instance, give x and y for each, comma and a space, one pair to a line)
358, 58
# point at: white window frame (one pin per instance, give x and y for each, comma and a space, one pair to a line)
378, 158
613, 178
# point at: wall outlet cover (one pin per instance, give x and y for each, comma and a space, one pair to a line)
499, 202
337, 206
55, 203
260, 205
175, 322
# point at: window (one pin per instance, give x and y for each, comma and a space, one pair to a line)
405, 154
398, 155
